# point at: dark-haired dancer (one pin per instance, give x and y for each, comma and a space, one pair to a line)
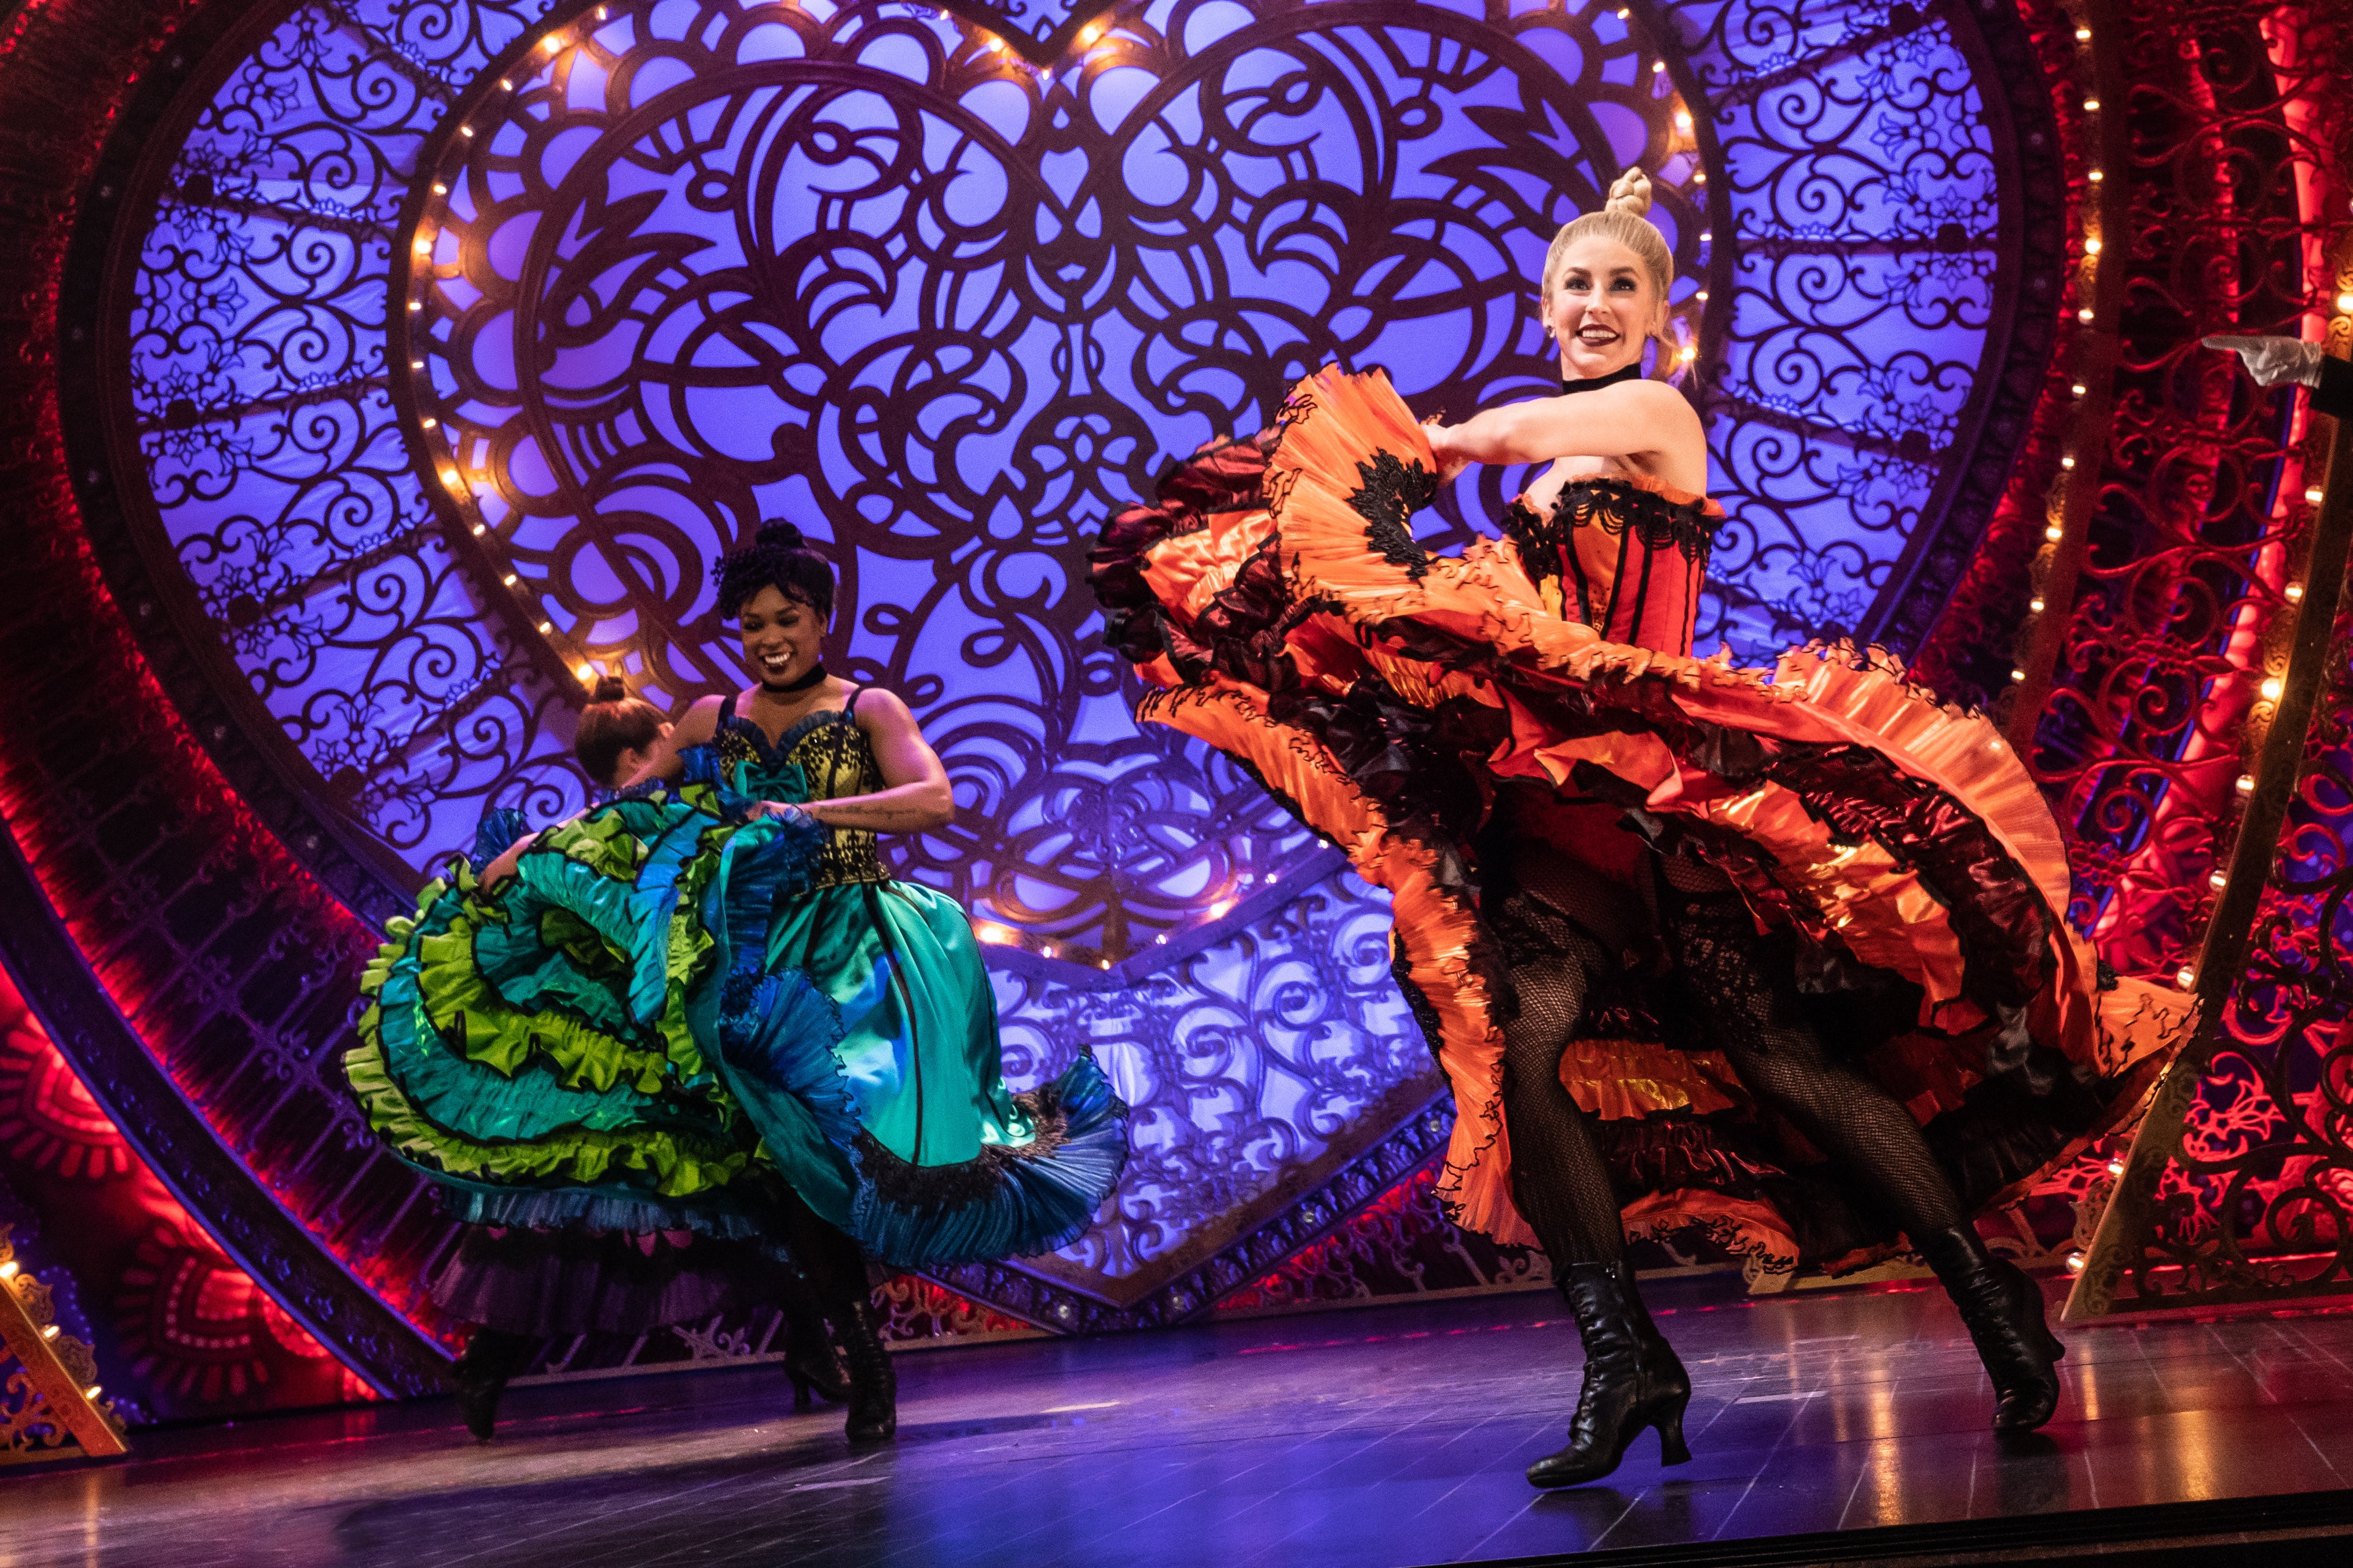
521, 1285
1782, 958
708, 1006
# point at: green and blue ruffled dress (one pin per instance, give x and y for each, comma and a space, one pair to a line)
673, 1010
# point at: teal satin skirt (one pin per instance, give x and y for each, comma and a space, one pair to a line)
659, 1022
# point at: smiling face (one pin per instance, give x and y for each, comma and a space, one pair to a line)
1601, 305
783, 638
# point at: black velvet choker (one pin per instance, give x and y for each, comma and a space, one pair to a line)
816, 674
1595, 383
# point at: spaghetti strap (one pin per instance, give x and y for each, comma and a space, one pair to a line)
850, 707
726, 710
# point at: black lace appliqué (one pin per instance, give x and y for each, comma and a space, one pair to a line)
1388, 492
1613, 506
938, 1189
839, 760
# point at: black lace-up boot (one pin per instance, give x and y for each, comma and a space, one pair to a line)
810, 1358
2003, 1309
873, 1381
491, 1357
1632, 1380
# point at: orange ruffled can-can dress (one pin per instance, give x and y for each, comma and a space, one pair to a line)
1278, 606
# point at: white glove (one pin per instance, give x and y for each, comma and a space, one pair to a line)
2273, 360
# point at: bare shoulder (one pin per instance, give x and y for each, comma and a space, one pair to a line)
881, 710
699, 723
1658, 400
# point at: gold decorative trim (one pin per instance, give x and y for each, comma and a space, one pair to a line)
49, 1406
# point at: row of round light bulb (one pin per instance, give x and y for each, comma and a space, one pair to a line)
1003, 935
990, 43
2096, 175
2076, 1259
1683, 127
8, 1272
453, 479
2271, 687
2055, 529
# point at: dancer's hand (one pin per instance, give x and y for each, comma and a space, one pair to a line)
2273, 362
1447, 448
785, 810
499, 870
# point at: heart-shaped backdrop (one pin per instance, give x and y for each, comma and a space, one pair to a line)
461, 337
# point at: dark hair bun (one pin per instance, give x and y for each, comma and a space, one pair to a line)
609, 689
778, 555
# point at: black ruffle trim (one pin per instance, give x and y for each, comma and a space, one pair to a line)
1223, 477
1417, 1001
1613, 506
941, 1189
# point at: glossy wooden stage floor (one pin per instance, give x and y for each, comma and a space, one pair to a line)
1386, 1437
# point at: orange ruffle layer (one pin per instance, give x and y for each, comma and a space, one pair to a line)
1878, 908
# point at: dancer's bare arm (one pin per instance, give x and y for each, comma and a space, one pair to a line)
1647, 422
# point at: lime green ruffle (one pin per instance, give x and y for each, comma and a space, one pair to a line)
662, 1162
569, 985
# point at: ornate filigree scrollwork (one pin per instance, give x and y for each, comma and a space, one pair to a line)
2240, 136
49, 1392
951, 308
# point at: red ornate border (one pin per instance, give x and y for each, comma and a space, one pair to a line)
217, 956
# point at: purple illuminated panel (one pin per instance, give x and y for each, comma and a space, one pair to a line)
1859, 180
280, 477
699, 263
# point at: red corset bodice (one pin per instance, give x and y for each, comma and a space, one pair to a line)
1625, 556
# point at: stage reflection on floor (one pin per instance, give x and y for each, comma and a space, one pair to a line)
1393, 1436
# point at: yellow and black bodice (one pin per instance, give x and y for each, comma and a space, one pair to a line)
677, 1005
824, 756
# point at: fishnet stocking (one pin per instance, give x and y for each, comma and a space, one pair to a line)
1545, 923
1751, 1018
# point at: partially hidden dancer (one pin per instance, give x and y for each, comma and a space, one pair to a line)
1777, 957
706, 1005
522, 1285
2295, 362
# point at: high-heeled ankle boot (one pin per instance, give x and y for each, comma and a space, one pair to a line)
810, 1358
2003, 1309
873, 1381
480, 1375
1632, 1380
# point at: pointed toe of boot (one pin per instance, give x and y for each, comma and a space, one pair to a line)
2024, 1407
2004, 1311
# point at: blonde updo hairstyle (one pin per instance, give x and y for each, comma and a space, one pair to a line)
1621, 219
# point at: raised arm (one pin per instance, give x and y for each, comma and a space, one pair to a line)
915, 794
1647, 421
700, 724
